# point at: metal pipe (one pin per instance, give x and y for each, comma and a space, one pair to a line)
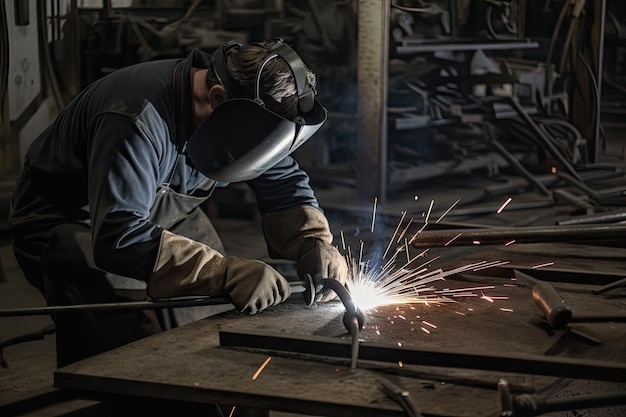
500, 236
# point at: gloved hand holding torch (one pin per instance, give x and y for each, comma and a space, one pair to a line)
302, 234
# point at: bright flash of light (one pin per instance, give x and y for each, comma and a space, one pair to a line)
392, 281
372, 287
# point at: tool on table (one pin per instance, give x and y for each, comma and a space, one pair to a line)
352, 319
305, 287
400, 396
556, 311
557, 314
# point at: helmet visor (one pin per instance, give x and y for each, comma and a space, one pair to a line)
241, 139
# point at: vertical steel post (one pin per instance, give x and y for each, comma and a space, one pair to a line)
372, 79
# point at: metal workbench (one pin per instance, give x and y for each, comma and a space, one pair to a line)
189, 365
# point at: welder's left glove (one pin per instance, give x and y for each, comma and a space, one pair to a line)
302, 234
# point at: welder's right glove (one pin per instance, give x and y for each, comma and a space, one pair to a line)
185, 267
302, 234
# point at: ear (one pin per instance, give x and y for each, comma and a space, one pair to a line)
217, 95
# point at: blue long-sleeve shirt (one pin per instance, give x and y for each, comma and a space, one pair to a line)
104, 157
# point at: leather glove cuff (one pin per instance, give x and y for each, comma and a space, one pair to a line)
186, 267
286, 230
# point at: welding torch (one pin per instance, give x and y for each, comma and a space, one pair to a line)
353, 318
304, 287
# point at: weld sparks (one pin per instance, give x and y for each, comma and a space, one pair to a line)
263, 365
393, 280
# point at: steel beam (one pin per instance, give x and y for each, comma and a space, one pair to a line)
517, 363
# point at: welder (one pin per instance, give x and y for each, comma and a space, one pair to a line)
110, 196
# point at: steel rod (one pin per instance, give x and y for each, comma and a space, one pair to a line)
518, 363
297, 287
112, 307
498, 236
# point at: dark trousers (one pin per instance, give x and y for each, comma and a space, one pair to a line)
63, 272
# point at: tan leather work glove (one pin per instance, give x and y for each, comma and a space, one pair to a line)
302, 234
321, 260
254, 285
186, 267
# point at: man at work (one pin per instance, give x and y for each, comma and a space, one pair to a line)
111, 191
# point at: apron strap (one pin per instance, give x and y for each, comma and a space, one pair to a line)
178, 105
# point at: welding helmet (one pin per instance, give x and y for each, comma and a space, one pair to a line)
242, 138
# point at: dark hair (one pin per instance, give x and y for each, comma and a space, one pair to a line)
278, 86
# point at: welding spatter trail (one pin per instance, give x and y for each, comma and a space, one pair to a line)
392, 281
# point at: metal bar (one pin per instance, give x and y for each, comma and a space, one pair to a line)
545, 140
420, 47
513, 161
611, 286
121, 306
523, 364
595, 219
499, 236
297, 287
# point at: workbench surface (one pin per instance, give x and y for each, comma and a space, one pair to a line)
188, 363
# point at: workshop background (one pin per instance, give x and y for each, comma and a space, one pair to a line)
498, 124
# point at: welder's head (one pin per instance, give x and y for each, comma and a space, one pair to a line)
270, 112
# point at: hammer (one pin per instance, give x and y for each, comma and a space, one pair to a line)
556, 312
